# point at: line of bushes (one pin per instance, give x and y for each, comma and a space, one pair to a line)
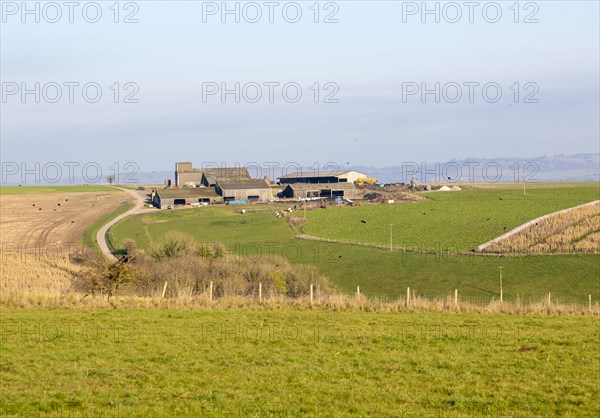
189, 267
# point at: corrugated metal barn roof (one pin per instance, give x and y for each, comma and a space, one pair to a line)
187, 192
319, 186
243, 184
226, 174
310, 173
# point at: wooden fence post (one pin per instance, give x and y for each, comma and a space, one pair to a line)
590, 301
357, 292
455, 297
210, 290
164, 290
260, 292
311, 293
408, 296
549, 298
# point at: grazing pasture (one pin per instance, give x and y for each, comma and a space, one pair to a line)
381, 273
155, 362
454, 221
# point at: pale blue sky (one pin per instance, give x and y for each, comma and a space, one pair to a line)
369, 54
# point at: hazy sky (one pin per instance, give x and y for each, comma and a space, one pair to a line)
377, 51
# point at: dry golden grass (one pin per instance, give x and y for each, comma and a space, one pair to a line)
41, 281
328, 303
47, 284
577, 231
30, 274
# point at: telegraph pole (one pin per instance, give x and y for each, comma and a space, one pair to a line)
304, 208
501, 290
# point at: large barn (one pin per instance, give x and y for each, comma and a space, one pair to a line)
170, 197
186, 175
320, 190
212, 185
347, 176
251, 190
210, 176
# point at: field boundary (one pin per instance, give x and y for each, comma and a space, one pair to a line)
322, 302
308, 237
527, 224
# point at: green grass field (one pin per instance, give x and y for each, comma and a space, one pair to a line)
126, 362
54, 189
455, 221
570, 278
89, 236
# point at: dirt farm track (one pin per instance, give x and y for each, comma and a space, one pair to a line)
30, 222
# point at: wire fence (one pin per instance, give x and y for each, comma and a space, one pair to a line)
477, 300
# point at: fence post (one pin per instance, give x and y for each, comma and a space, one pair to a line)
408, 296
311, 293
357, 292
260, 292
549, 298
210, 291
590, 301
164, 290
455, 297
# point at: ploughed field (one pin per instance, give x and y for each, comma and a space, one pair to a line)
52, 220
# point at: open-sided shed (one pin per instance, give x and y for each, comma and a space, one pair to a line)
344, 176
322, 190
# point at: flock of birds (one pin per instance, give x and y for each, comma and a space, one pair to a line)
53, 210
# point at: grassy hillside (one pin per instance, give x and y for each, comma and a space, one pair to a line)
455, 221
376, 271
75, 362
54, 189
89, 235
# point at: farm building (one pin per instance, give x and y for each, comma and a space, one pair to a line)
210, 176
324, 190
252, 190
186, 196
186, 175
347, 176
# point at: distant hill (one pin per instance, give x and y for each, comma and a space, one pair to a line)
577, 167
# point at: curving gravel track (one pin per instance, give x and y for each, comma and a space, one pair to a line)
101, 236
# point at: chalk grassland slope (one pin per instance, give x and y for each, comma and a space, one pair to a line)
454, 221
570, 278
574, 231
128, 362
51, 222
54, 189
